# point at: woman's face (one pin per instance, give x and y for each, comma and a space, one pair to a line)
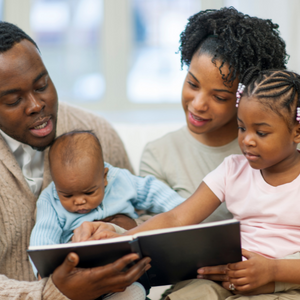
209, 105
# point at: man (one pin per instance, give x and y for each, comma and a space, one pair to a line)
30, 118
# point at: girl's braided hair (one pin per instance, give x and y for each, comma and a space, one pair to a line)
279, 90
234, 38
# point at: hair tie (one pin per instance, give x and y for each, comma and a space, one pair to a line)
239, 93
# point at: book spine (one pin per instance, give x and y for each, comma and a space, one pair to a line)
144, 279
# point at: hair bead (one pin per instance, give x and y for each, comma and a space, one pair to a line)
239, 93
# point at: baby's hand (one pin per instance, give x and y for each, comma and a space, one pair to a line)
92, 231
250, 275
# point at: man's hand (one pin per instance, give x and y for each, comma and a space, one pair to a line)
121, 220
77, 284
93, 231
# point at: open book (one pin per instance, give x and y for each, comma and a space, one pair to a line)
176, 253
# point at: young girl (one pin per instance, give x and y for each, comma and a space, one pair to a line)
217, 46
261, 189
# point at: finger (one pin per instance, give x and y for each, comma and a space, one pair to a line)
247, 254
239, 265
237, 273
116, 267
214, 277
83, 232
212, 270
70, 262
101, 234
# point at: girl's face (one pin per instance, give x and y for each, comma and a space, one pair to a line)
209, 105
264, 136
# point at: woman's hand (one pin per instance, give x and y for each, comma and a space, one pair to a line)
251, 275
93, 231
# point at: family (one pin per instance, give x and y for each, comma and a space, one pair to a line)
236, 157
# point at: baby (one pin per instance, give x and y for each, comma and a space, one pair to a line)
85, 188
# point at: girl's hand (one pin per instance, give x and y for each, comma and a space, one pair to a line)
252, 275
215, 273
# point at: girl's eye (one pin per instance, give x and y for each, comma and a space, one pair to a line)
262, 134
241, 128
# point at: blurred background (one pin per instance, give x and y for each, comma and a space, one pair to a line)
118, 57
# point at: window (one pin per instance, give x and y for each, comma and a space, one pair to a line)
68, 35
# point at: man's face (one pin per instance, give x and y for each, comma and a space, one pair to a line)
28, 99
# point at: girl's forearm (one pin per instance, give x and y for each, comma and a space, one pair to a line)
287, 270
163, 220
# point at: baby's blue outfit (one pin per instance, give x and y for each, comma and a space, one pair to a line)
123, 193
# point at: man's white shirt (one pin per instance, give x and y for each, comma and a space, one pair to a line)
30, 161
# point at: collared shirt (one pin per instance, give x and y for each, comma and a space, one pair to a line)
30, 161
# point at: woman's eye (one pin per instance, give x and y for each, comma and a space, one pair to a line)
192, 84
220, 99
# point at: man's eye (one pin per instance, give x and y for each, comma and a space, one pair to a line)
41, 89
15, 102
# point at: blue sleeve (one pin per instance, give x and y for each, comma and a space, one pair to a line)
47, 229
154, 195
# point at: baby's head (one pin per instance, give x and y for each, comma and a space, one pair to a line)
269, 129
77, 169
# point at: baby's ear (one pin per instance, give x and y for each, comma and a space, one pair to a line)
105, 176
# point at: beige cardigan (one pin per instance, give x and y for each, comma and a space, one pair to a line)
17, 206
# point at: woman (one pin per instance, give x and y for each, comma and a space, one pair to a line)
217, 46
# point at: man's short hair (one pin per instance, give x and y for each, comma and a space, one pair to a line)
11, 34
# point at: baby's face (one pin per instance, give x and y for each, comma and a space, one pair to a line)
80, 188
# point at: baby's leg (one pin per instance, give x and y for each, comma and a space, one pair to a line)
198, 289
134, 292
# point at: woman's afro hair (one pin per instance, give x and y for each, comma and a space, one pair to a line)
243, 41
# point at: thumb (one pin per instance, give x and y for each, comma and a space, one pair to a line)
247, 254
70, 262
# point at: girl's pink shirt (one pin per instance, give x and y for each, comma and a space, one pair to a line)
269, 216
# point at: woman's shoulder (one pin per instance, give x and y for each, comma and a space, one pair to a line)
168, 140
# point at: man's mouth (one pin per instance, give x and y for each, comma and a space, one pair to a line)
42, 127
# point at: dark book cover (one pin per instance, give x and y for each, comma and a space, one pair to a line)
176, 253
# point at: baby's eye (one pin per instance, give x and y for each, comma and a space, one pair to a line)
67, 196
90, 193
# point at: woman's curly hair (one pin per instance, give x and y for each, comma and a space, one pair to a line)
242, 41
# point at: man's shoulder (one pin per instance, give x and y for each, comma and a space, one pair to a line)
71, 117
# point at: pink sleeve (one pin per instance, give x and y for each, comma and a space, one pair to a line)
216, 180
